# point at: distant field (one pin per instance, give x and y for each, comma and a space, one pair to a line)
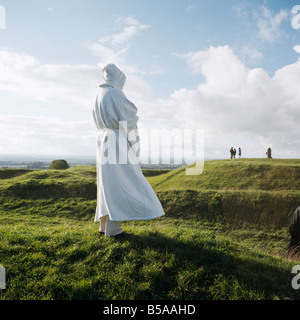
223, 236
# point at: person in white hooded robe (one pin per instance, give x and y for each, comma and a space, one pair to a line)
123, 193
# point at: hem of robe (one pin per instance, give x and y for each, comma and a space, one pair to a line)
129, 219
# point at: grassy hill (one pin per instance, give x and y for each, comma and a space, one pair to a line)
223, 235
253, 191
237, 174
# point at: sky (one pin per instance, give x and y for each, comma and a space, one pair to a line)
229, 68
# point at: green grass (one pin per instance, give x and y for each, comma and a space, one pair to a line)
253, 191
237, 174
51, 249
64, 258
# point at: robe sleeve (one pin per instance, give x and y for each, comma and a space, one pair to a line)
125, 110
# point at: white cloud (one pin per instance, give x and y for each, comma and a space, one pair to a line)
221, 68
297, 48
260, 19
236, 105
113, 47
46, 135
239, 104
25, 75
268, 23
241, 10
106, 54
250, 55
131, 27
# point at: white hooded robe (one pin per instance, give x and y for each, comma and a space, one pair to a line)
123, 193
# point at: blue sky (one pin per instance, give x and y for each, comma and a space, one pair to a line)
228, 67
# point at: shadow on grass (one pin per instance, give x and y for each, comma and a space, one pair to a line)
148, 266
205, 269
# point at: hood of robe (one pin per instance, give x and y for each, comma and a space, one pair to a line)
113, 76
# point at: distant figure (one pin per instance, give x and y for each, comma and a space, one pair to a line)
268, 153
234, 153
240, 152
123, 193
231, 152
293, 250
295, 228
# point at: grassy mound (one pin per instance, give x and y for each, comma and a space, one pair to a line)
252, 191
11, 173
50, 246
47, 184
237, 174
241, 191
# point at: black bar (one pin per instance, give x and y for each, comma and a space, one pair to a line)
141, 309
